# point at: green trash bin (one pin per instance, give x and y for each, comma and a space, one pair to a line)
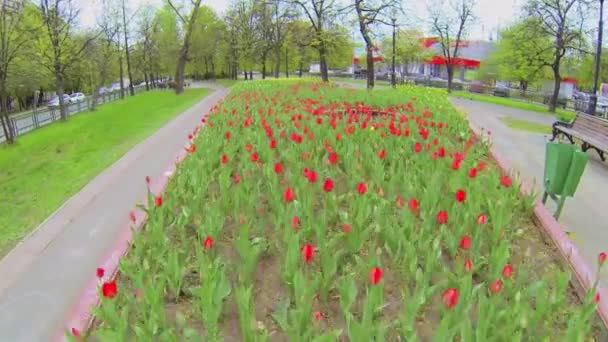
564, 167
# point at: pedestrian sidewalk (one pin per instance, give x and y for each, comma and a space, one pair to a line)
43, 276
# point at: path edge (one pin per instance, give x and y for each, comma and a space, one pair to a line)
80, 316
581, 269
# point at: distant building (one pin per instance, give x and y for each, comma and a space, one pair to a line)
471, 55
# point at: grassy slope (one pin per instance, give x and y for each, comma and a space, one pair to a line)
509, 102
525, 125
51, 164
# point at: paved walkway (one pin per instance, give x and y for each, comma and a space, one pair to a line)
585, 214
41, 279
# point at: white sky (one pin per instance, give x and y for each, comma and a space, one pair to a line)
490, 13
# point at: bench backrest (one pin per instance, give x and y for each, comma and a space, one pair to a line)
594, 126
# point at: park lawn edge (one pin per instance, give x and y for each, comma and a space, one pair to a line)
14, 230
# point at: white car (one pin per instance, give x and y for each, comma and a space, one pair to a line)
54, 102
77, 97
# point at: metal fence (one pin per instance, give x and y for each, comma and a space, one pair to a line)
25, 122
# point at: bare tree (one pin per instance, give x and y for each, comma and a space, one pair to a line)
452, 29
128, 54
110, 30
14, 35
562, 20
188, 22
146, 31
319, 12
59, 17
368, 14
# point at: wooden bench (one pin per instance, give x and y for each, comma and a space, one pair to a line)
591, 130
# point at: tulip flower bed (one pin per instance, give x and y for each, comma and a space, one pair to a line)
310, 212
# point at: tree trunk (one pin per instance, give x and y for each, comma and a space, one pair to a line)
323, 64
146, 80
264, 66
450, 69
370, 67
126, 33
63, 110
183, 55
301, 67
556, 86
212, 69
245, 72
286, 62
251, 75
4, 118
122, 75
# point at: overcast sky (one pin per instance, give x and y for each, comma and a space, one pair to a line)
490, 13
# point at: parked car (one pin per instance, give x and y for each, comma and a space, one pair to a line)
476, 87
501, 91
77, 97
54, 102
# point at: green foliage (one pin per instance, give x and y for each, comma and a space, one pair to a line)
408, 46
522, 53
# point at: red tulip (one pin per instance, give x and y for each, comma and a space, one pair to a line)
417, 147
190, 136
442, 217
295, 221
375, 275
75, 332
278, 168
289, 195
414, 205
507, 270
441, 152
307, 252
273, 143
382, 154
236, 178
208, 242
601, 258
132, 216
254, 157
227, 135
248, 147
472, 172
482, 218
596, 299
312, 176
109, 289
147, 179
318, 314
461, 195
158, 200
456, 164
450, 297
400, 201
465, 242
481, 165
100, 272
191, 148
333, 158
468, 265
224, 159
328, 184
346, 227
361, 188
505, 181
496, 286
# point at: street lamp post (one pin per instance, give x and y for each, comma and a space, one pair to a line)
394, 77
598, 57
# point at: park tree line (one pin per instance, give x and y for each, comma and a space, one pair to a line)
46, 49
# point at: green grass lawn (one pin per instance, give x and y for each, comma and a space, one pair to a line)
525, 125
51, 164
509, 102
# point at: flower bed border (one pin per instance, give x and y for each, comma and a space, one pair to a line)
80, 316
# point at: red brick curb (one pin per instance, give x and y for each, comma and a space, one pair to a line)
580, 267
